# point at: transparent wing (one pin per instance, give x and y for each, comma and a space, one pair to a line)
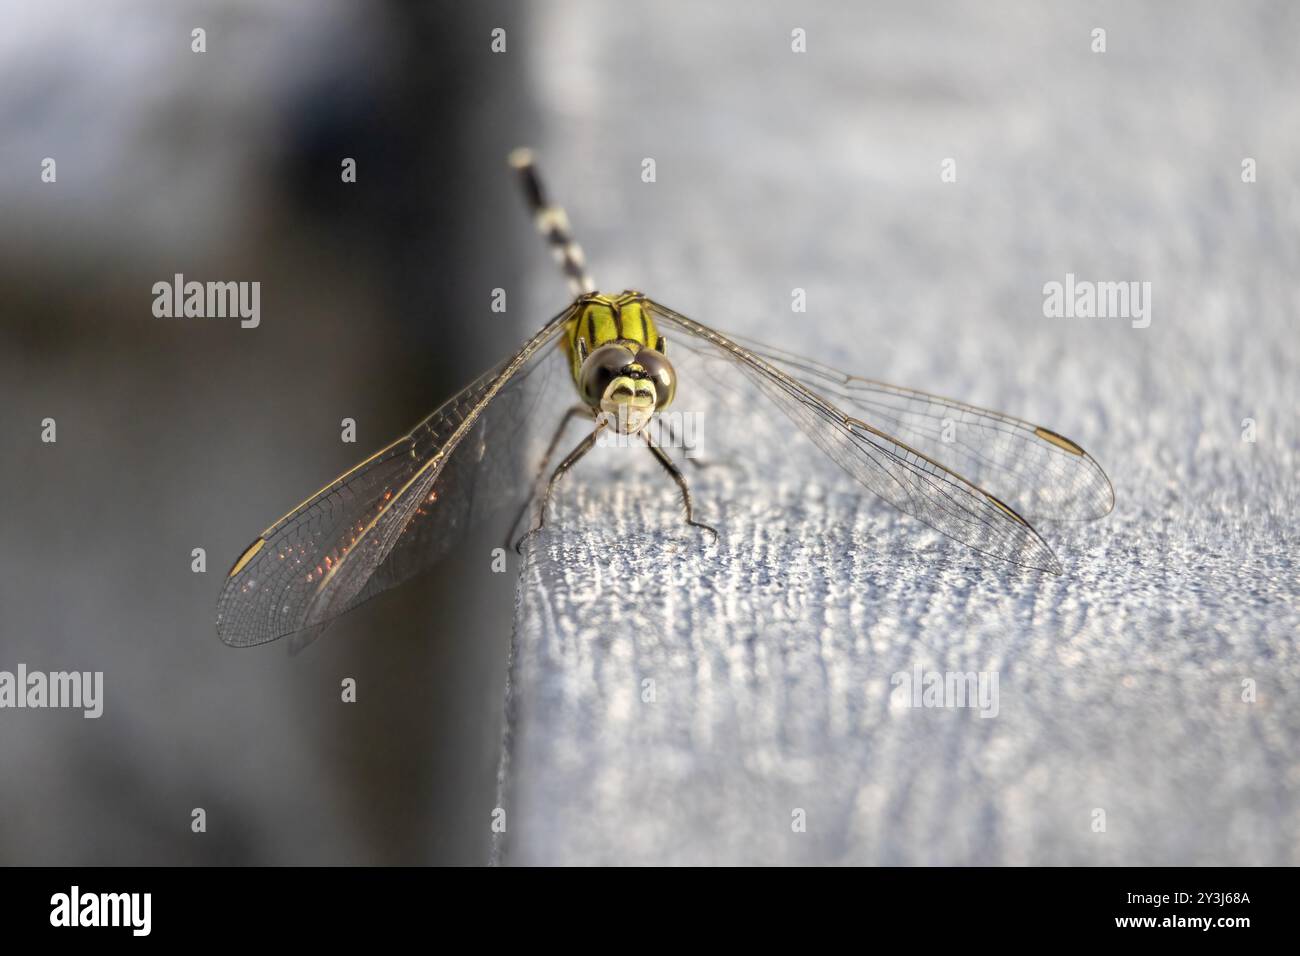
395, 513
1045, 475
909, 480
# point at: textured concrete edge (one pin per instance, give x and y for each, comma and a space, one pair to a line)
498, 851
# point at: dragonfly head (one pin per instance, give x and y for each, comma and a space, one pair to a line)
629, 381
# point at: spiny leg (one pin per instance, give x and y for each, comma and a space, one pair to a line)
572, 413
678, 441
574, 456
678, 477
552, 223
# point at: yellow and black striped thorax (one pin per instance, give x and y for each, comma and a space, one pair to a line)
599, 319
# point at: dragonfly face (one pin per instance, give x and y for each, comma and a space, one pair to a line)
617, 358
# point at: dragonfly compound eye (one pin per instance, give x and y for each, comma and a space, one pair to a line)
660, 371
600, 369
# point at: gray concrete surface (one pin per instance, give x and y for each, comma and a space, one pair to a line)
772, 656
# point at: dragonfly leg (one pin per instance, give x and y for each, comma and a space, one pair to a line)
680, 479
573, 458
674, 441
570, 415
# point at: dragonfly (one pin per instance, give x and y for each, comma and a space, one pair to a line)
947, 464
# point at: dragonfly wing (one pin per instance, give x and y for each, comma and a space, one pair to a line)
909, 480
1044, 474
394, 514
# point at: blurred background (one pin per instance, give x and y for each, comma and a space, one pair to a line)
775, 170
177, 434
